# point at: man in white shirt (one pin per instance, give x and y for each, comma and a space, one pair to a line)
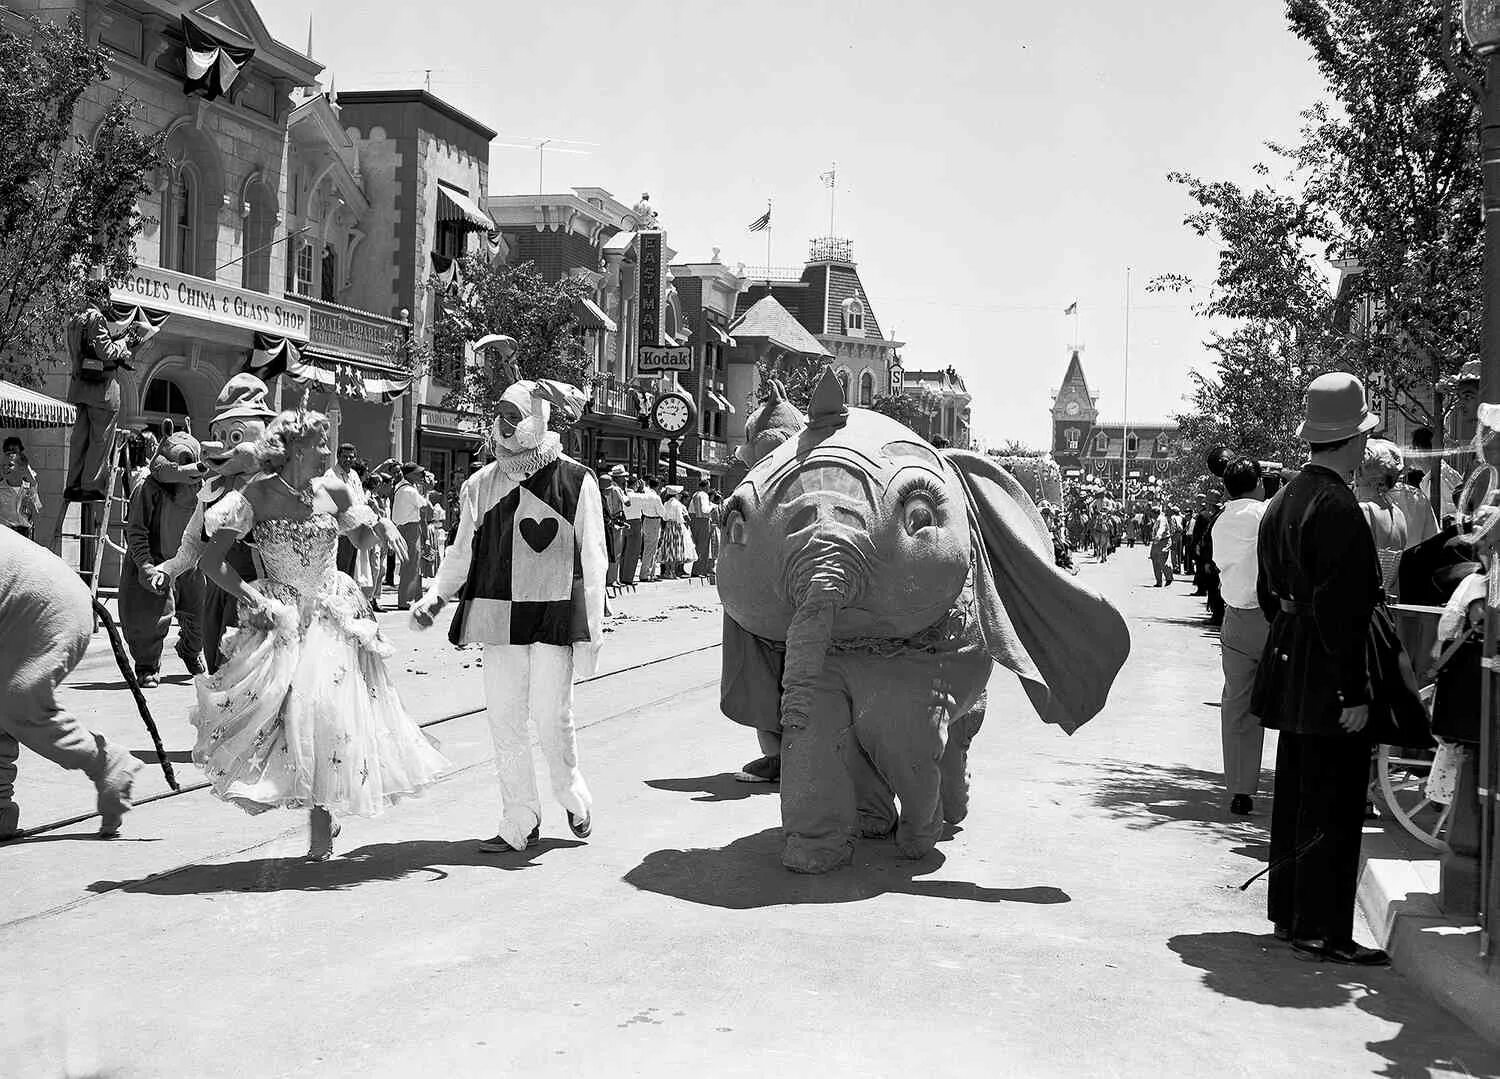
343, 471
651, 514
1242, 638
630, 553
408, 511
698, 509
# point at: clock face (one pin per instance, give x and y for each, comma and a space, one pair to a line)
1072, 409
671, 414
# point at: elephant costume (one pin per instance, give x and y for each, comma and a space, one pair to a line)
870, 582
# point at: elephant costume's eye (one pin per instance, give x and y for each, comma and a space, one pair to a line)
917, 514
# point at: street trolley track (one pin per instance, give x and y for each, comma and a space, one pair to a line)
52, 826
118, 886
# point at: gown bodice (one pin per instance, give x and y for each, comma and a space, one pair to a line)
302, 555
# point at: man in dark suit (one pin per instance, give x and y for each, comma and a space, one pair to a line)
1319, 585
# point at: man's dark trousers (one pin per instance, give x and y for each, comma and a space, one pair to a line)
1317, 822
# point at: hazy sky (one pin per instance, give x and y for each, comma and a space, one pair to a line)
996, 160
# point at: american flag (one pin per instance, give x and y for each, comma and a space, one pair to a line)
761, 222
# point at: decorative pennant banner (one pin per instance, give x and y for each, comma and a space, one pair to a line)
272, 356
447, 272
123, 317
211, 65
348, 381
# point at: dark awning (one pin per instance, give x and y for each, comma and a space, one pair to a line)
456, 206
591, 315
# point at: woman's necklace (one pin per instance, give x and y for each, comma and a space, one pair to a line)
301, 494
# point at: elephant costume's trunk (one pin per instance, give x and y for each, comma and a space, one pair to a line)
807, 640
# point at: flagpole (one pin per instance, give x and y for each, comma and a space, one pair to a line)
1125, 402
769, 226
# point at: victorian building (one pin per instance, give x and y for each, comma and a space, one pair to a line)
212, 253
1084, 445
945, 404
708, 292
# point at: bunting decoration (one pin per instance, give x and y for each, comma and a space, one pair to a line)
272, 356
448, 273
211, 66
122, 318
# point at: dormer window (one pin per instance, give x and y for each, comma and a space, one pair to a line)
1101, 443
1163, 445
854, 317
1133, 443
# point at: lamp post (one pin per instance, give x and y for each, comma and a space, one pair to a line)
1481, 19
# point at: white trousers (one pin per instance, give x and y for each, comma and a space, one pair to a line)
525, 683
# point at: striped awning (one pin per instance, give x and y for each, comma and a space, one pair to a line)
720, 401
723, 337
456, 206
591, 316
20, 407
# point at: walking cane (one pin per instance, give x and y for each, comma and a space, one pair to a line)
135, 688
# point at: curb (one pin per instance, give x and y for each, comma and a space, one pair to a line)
1440, 954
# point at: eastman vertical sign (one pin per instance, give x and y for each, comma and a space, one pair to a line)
649, 250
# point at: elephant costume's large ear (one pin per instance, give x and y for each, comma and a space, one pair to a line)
1064, 640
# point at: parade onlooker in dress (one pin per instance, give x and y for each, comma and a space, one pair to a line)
437, 530
343, 471
1202, 521
699, 510
159, 515
1407, 496
651, 515
408, 510
1319, 586
1234, 538
677, 547
1377, 475
303, 714
46, 621
1159, 529
19, 503
95, 392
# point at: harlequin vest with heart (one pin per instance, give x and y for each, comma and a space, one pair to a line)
525, 583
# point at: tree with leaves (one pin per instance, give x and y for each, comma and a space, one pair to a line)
1385, 181
516, 301
798, 375
68, 214
902, 408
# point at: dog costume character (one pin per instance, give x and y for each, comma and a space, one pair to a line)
238, 424
160, 509
527, 567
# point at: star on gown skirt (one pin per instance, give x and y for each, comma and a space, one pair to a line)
303, 712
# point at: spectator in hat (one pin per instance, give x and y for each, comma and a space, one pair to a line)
1319, 586
630, 550
409, 512
612, 493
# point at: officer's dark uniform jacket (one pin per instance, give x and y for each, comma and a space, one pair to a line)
1319, 584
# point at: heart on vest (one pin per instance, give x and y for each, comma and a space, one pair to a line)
539, 534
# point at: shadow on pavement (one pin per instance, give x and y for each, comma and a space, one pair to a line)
748, 874
719, 788
1150, 795
363, 865
1261, 970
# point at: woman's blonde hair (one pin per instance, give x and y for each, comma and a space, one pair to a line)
1385, 457
287, 434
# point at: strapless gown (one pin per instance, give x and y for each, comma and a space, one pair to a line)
303, 712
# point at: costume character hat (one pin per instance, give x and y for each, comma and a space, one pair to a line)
1336, 409
243, 397
618, 473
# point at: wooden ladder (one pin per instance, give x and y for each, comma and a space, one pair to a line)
96, 521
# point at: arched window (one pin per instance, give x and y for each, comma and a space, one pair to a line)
1163, 445
164, 396
1101, 443
260, 238
329, 284
1133, 443
866, 389
1072, 435
179, 222
854, 317
845, 384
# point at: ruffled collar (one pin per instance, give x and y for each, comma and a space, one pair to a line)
529, 461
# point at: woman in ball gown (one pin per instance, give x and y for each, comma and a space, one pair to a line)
303, 713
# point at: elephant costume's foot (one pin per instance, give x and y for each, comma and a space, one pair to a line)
803, 854
917, 842
876, 825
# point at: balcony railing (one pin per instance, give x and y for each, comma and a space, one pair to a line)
612, 398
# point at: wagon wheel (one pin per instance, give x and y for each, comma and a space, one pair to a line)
1402, 780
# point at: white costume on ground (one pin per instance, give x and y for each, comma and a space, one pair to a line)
527, 566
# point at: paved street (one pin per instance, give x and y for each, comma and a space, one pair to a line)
1086, 920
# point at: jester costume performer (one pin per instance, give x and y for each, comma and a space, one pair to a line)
527, 568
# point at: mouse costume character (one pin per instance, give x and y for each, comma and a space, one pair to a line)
239, 422
160, 511
527, 568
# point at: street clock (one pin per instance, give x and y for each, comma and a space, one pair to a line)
672, 413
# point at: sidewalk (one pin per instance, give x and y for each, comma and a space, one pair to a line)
1398, 896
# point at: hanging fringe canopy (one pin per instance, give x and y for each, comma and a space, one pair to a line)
447, 271
21, 407
274, 356
211, 66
